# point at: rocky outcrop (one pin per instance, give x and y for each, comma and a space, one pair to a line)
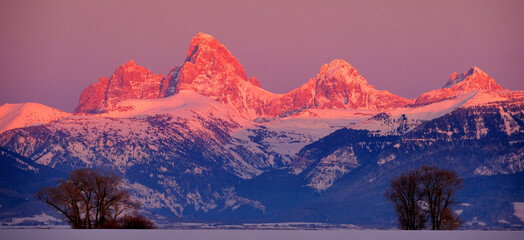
129, 81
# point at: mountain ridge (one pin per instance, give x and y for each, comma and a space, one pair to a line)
27, 114
129, 81
211, 70
460, 83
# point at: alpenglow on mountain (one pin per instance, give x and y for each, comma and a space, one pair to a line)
205, 143
211, 70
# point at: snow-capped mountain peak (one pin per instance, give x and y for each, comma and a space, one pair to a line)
340, 73
212, 71
473, 79
339, 86
207, 54
460, 83
459, 77
338, 69
27, 114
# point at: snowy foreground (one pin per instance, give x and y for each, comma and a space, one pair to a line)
14, 234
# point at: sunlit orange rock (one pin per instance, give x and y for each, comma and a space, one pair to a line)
129, 81
211, 70
473, 79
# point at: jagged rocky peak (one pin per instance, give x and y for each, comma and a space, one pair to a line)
207, 62
460, 83
473, 79
338, 69
206, 57
209, 54
338, 85
129, 81
211, 70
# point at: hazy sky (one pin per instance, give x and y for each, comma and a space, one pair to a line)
51, 50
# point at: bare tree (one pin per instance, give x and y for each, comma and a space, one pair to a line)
82, 182
88, 198
427, 193
405, 193
65, 198
439, 187
449, 220
110, 200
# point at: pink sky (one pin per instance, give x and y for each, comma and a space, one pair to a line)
51, 50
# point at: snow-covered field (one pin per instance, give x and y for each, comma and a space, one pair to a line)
15, 234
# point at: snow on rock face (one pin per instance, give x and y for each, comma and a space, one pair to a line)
129, 81
184, 104
206, 54
506, 164
124, 138
473, 79
185, 137
401, 120
331, 168
27, 114
211, 70
338, 86
490, 98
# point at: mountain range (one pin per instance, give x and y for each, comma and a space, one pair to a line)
205, 143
